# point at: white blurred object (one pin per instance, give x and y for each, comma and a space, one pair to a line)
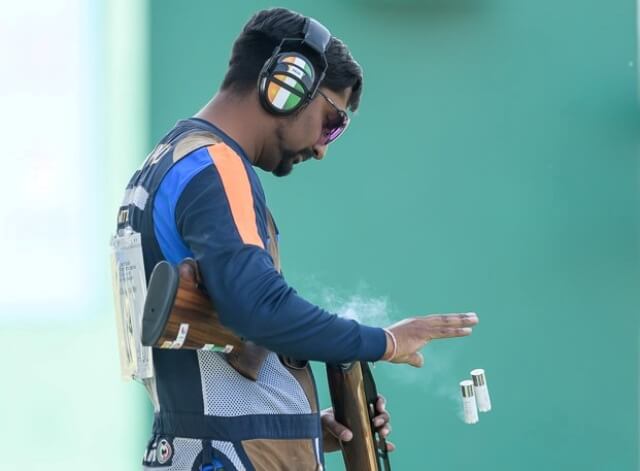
51, 191
469, 402
481, 390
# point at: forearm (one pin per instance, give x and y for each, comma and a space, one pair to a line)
256, 302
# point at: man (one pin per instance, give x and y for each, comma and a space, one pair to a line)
283, 100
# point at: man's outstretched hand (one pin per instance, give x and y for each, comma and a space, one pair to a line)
414, 333
334, 432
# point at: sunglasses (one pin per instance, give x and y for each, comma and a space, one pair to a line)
333, 129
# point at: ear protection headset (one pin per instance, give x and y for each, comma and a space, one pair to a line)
288, 80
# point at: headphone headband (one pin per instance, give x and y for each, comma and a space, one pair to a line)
316, 35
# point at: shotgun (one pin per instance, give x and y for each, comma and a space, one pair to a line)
179, 314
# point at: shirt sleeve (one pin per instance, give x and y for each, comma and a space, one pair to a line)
219, 225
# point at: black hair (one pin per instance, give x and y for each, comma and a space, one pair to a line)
260, 36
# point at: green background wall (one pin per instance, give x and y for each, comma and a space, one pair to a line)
493, 167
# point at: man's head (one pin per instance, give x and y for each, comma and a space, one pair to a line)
304, 133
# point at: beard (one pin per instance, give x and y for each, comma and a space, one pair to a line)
288, 157
288, 160
285, 166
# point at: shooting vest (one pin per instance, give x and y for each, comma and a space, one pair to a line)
270, 424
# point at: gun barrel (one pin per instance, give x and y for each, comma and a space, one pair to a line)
351, 409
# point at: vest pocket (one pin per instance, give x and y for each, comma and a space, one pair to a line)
281, 455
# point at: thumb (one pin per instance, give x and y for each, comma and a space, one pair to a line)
338, 430
416, 359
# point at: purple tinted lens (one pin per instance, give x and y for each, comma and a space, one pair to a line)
332, 134
328, 136
334, 131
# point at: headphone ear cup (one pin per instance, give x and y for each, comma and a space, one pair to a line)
285, 86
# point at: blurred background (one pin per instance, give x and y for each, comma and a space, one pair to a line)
493, 167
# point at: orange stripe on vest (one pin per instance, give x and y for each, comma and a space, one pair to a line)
237, 187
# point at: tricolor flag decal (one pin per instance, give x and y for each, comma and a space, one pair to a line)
279, 96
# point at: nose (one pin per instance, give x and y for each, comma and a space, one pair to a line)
319, 151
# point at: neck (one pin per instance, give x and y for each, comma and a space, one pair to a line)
231, 113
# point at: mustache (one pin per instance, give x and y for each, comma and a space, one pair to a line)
300, 156
306, 154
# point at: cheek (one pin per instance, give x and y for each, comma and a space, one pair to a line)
312, 127
296, 134
308, 124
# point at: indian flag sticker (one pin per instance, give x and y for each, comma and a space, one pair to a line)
300, 63
281, 97
217, 348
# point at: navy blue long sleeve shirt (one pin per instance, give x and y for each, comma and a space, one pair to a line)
211, 206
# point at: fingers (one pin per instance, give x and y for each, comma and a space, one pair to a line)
415, 359
381, 419
336, 429
468, 319
447, 333
385, 431
390, 446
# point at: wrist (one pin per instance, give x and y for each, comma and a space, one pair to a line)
392, 346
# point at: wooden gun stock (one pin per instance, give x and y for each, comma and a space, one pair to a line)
354, 395
179, 314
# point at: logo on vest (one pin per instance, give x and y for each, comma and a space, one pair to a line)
164, 451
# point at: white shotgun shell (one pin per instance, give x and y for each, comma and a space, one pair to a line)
468, 402
481, 390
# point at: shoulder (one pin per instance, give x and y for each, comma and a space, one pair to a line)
182, 173
221, 194
236, 174
232, 170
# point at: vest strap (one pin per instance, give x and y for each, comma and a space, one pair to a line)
232, 429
